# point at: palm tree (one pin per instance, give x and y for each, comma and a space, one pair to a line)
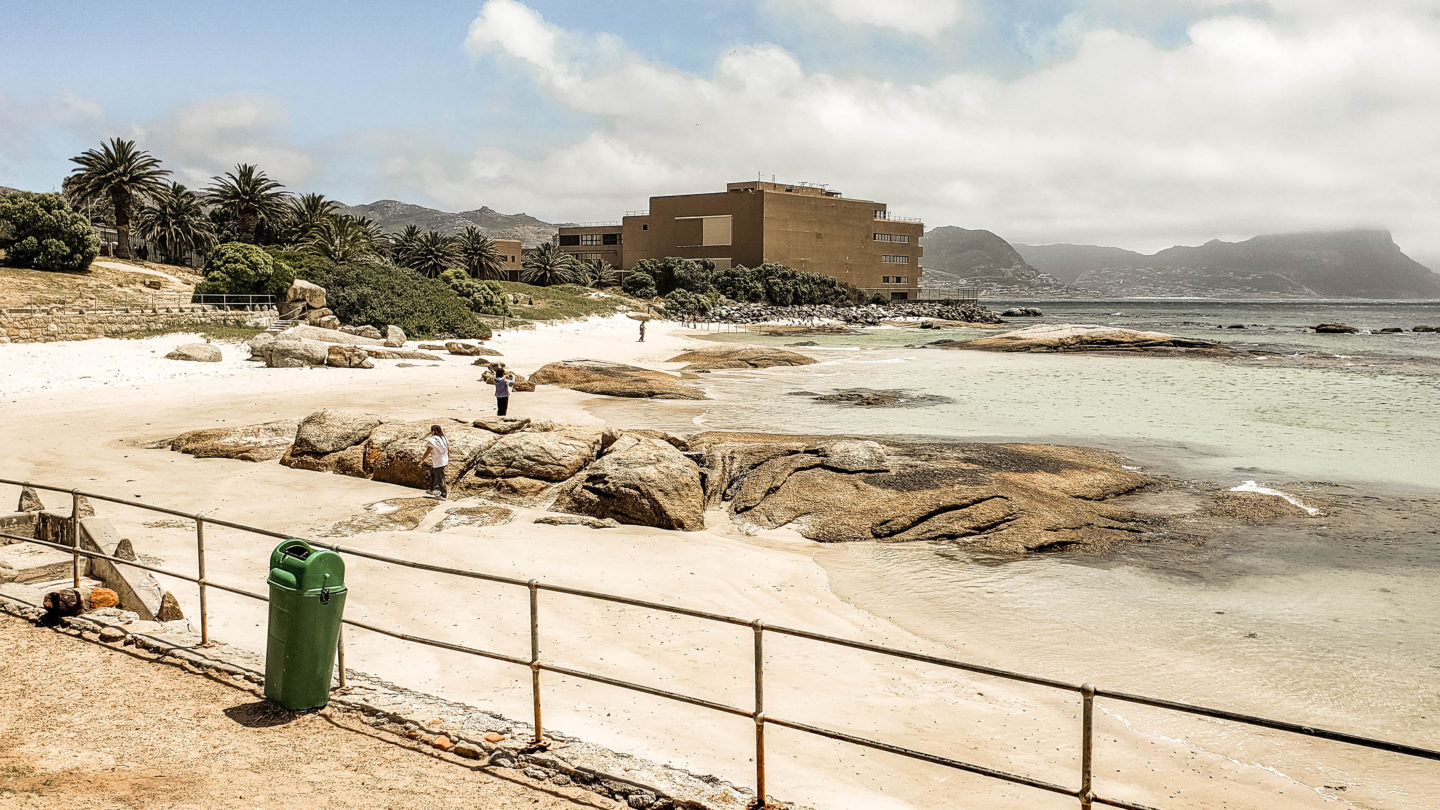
431, 254
600, 273
341, 240
548, 265
250, 197
306, 214
175, 220
122, 173
480, 255
401, 245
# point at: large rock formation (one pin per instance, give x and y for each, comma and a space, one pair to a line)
643, 481
263, 442
330, 431
551, 456
1084, 338
724, 357
1008, 498
1012, 498
614, 379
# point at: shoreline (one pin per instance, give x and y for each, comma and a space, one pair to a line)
774, 575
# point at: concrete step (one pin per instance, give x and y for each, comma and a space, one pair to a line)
25, 563
32, 593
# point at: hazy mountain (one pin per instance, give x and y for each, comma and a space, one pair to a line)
7, 190
978, 258
1344, 264
393, 215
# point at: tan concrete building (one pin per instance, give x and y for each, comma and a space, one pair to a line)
511, 254
802, 226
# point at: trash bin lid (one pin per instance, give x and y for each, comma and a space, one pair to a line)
297, 564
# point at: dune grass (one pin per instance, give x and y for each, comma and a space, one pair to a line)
566, 301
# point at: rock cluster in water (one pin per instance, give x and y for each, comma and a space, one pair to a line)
867, 315
1013, 498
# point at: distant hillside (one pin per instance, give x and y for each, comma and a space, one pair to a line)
1344, 264
393, 215
7, 190
978, 258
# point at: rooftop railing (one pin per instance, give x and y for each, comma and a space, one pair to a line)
1083, 789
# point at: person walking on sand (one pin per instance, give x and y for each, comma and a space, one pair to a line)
437, 455
642, 331
504, 384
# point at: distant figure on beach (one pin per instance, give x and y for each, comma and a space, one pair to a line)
504, 384
642, 331
437, 454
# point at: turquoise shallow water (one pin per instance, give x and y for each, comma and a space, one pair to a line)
1334, 622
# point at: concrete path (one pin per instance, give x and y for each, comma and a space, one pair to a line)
83, 725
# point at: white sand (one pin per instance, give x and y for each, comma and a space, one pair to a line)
77, 414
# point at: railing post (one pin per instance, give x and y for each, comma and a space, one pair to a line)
200, 555
340, 654
75, 538
1087, 723
535, 658
759, 628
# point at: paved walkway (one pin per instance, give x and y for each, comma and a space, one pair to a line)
85, 725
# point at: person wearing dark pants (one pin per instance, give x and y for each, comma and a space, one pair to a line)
437, 455
504, 384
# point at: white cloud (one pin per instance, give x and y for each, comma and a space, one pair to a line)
1316, 116
922, 18
207, 137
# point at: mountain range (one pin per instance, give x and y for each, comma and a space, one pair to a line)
393, 215
1328, 264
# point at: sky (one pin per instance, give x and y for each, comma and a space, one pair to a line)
1136, 123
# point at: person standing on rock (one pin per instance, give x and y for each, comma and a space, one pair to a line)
437, 455
504, 384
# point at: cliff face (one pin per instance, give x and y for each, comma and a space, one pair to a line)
393, 215
980, 258
1343, 264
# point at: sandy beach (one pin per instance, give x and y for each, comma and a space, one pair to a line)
80, 414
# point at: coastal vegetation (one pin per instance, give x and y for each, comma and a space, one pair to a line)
235, 268
42, 232
118, 173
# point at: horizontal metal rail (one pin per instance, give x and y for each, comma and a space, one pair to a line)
1088, 693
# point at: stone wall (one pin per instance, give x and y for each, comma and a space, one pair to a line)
44, 325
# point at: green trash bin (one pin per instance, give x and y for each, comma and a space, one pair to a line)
307, 598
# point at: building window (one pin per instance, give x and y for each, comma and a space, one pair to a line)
585, 257
645, 227
902, 238
879, 213
569, 240
610, 239
891, 259
895, 280
589, 239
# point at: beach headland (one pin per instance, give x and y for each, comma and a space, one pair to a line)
83, 415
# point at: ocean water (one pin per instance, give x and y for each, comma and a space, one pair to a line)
1333, 621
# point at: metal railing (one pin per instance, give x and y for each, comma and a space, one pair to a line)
886, 216
1084, 791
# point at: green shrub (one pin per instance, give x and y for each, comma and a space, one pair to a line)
778, 285
483, 297
236, 268
42, 231
378, 294
682, 302
639, 284
880, 299
304, 263
675, 273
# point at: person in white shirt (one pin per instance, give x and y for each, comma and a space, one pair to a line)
437, 455
504, 384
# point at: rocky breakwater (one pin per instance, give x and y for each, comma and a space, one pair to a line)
867, 315
614, 380
1004, 498
1085, 338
